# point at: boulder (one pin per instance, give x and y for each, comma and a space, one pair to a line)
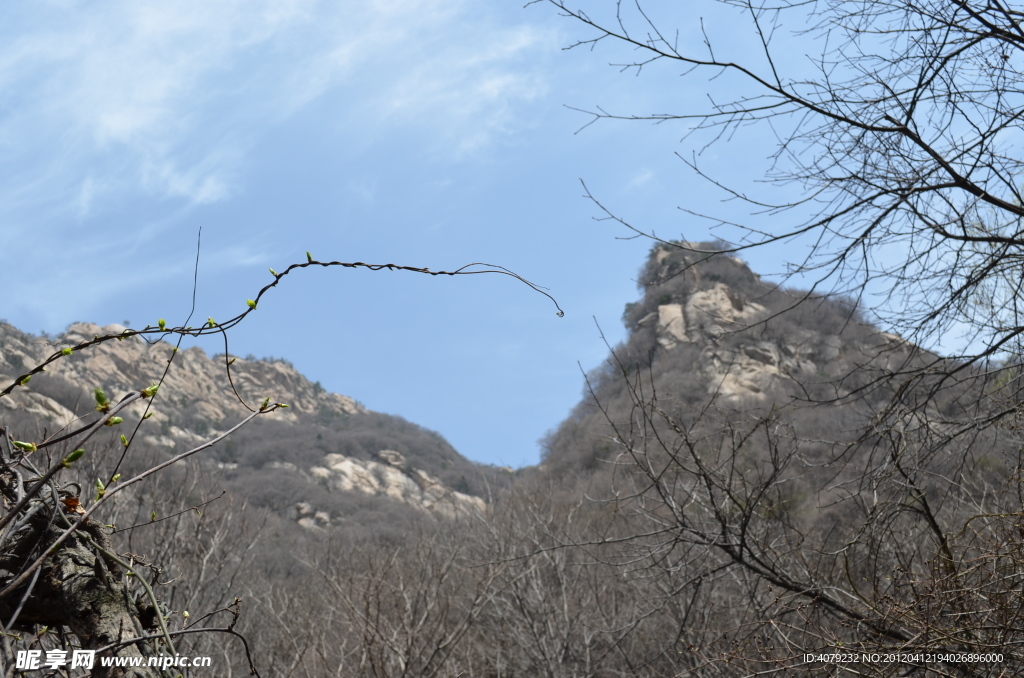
671, 326
718, 309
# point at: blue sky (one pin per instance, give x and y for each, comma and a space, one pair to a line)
419, 132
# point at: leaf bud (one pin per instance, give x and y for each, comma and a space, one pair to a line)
73, 457
102, 401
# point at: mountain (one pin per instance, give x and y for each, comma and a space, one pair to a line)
707, 328
325, 460
755, 473
791, 478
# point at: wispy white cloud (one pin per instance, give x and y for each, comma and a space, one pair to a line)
167, 99
467, 92
86, 193
239, 256
642, 179
122, 120
206, 181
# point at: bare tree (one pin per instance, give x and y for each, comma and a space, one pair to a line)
897, 138
894, 535
64, 583
897, 546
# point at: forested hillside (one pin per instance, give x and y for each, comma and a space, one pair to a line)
815, 472
326, 452
755, 473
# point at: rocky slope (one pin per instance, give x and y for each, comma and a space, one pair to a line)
695, 307
324, 444
708, 328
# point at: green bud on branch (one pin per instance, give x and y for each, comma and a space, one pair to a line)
250, 303
67, 351
28, 447
72, 458
114, 421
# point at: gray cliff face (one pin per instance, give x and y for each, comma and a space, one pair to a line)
750, 345
196, 402
708, 331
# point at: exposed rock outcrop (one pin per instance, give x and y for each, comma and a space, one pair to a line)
391, 479
719, 309
715, 304
710, 341
671, 325
196, 402
306, 515
195, 382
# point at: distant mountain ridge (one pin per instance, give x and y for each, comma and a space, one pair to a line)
706, 326
323, 460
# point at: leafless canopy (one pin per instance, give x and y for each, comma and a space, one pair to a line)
894, 526
898, 131
64, 582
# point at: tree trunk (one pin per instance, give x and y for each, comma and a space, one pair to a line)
81, 589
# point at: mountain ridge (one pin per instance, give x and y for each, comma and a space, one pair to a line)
303, 448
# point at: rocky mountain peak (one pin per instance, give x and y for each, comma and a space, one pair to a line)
748, 338
707, 332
